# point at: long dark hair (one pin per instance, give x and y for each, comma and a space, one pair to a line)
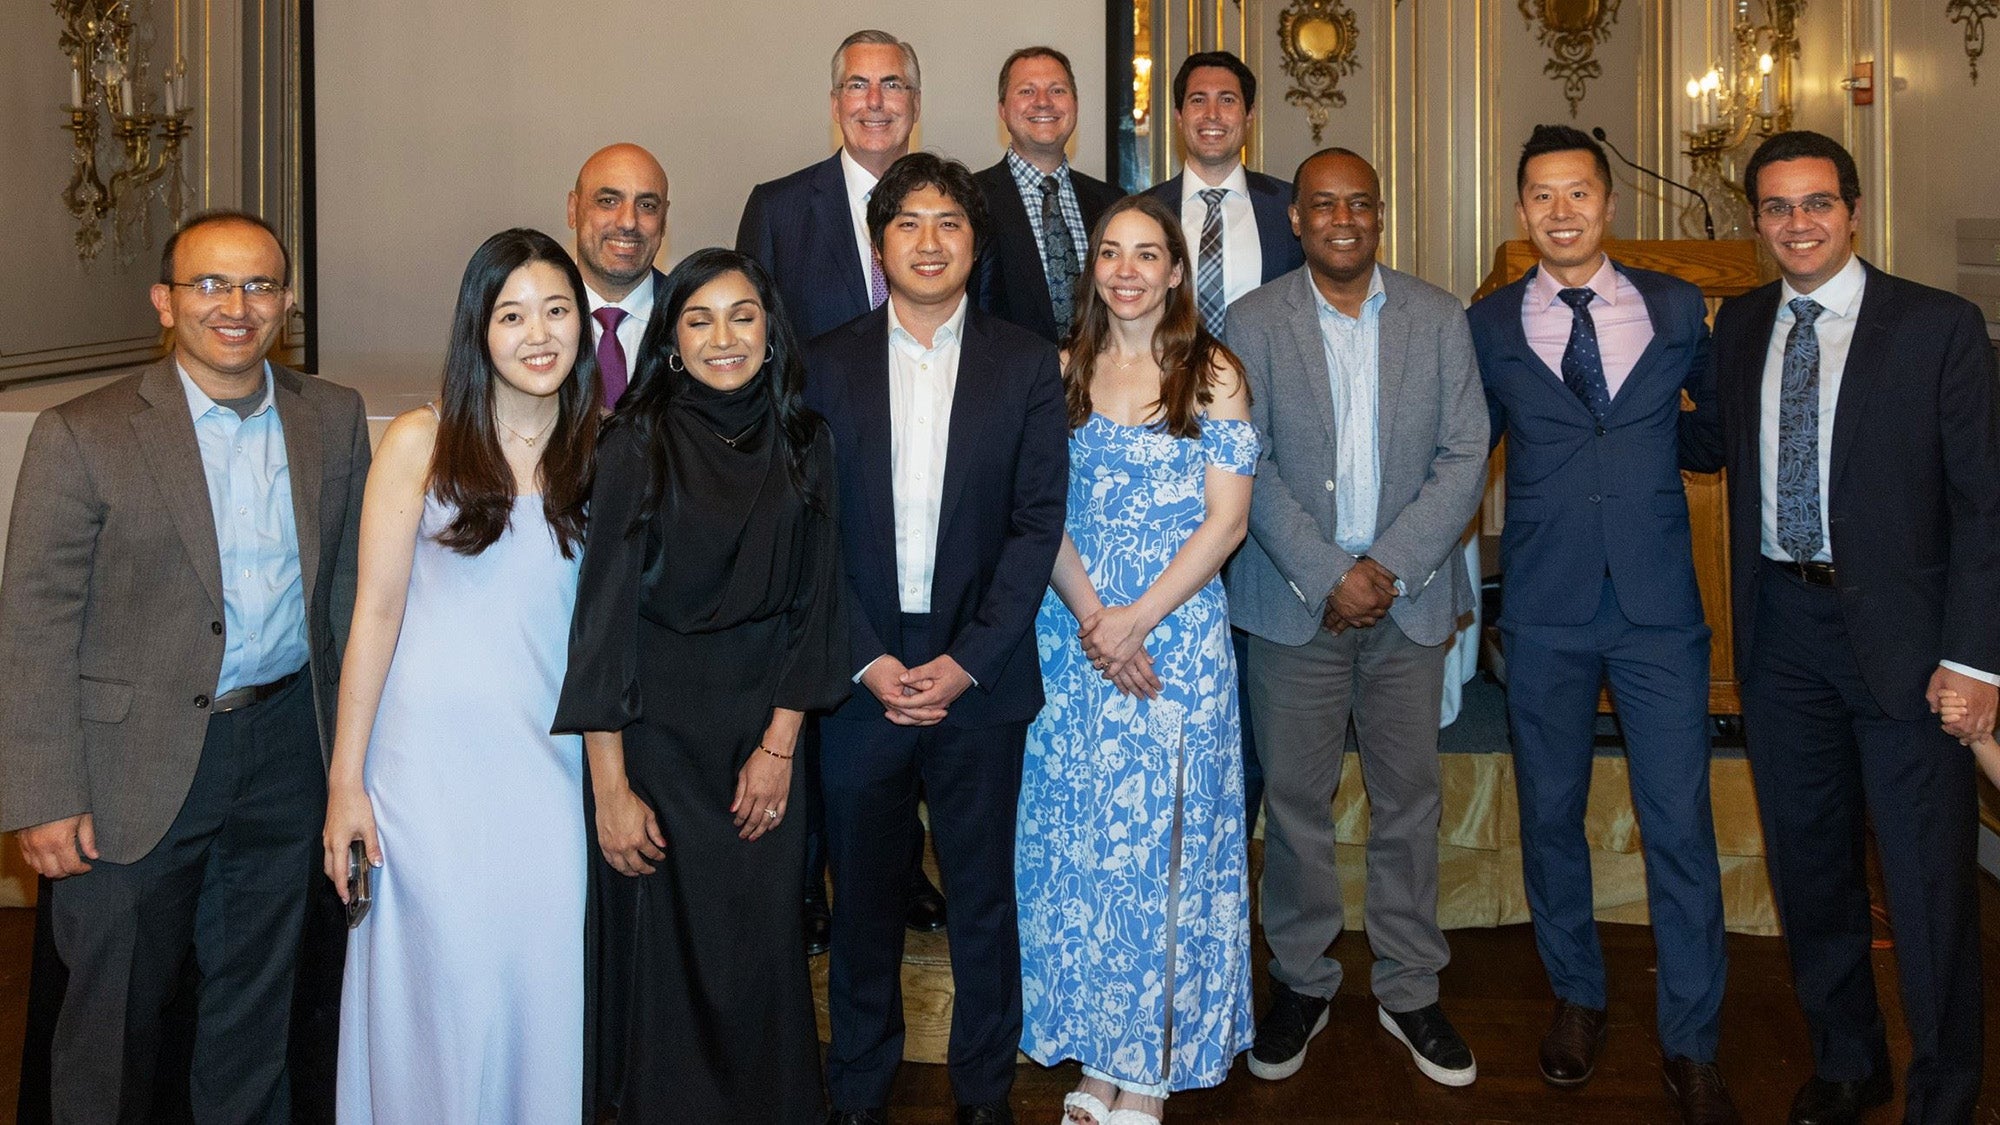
659, 382
468, 471
1187, 353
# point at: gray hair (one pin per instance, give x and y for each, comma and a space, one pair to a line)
881, 39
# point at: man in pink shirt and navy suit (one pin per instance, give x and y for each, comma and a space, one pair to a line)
1585, 362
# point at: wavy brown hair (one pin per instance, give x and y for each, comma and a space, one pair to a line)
1186, 351
468, 470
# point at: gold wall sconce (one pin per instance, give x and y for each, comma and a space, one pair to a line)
1571, 31
109, 77
1319, 40
1973, 14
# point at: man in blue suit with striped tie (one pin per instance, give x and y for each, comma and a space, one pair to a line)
1585, 363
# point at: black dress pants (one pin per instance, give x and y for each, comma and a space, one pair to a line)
1825, 756
228, 883
871, 771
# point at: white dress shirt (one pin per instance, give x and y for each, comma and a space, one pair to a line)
1242, 253
860, 185
922, 381
1840, 296
638, 306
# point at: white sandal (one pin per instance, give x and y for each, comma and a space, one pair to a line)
1091, 1104
1130, 1117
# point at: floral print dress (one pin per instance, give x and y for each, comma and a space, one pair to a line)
1130, 863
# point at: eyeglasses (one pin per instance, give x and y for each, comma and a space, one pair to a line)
259, 289
1814, 206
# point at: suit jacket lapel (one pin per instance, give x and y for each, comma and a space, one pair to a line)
1312, 353
1392, 356
1867, 366
970, 400
165, 436
869, 387
305, 461
832, 216
1650, 354
1745, 355
1549, 381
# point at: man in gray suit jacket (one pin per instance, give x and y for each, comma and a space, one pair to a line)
179, 575
1366, 397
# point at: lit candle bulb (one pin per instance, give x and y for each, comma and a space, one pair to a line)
1694, 103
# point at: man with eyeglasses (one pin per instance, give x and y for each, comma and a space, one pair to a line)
1862, 432
810, 230
179, 575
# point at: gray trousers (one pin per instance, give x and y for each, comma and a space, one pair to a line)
1300, 699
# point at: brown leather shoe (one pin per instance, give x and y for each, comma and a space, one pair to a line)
1698, 1092
1569, 1050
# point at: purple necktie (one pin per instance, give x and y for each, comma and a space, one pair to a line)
610, 353
878, 286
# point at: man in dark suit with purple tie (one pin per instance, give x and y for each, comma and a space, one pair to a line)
809, 231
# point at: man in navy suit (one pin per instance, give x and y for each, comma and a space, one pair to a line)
1237, 222
1041, 209
1239, 225
618, 210
808, 229
1862, 430
954, 458
1585, 362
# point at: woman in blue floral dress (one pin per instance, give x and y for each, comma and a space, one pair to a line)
1130, 862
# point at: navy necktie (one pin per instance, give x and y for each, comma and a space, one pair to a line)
1799, 531
1059, 249
1582, 364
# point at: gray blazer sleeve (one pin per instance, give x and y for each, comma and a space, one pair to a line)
50, 546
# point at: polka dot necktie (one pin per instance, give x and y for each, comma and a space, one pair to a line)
1582, 363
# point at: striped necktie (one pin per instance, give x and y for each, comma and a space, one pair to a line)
1208, 262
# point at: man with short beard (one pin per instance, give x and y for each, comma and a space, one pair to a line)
618, 210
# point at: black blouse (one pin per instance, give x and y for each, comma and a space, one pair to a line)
730, 541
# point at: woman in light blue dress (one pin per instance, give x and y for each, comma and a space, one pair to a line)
1130, 859
463, 995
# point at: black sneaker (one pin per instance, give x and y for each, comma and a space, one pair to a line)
1284, 1031
1434, 1044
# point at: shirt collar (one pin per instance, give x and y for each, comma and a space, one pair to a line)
638, 304
1840, 295
199, 403
1192, 185
949, 332
860, 181
1375, 298
1029, 176
1543, 290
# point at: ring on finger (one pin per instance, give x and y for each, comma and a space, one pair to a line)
771, 814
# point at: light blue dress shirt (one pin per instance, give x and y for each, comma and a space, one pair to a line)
1353, 368
256, 535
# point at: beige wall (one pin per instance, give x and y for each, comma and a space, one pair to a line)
442, 122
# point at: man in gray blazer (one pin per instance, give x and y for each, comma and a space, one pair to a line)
179, 575
1366, 397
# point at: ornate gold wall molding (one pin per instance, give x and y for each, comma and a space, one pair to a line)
1973, 14
1571, 30
1319, 40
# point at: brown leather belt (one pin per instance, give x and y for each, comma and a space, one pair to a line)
1810, 573
245, 696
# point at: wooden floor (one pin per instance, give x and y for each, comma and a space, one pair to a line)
1495, 993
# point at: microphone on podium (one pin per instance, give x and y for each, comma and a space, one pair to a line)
1707, 216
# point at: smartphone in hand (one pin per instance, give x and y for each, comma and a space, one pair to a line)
360, 895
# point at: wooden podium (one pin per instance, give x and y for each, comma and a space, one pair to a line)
1721, 269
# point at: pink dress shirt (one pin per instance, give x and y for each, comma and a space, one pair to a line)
1623, 326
